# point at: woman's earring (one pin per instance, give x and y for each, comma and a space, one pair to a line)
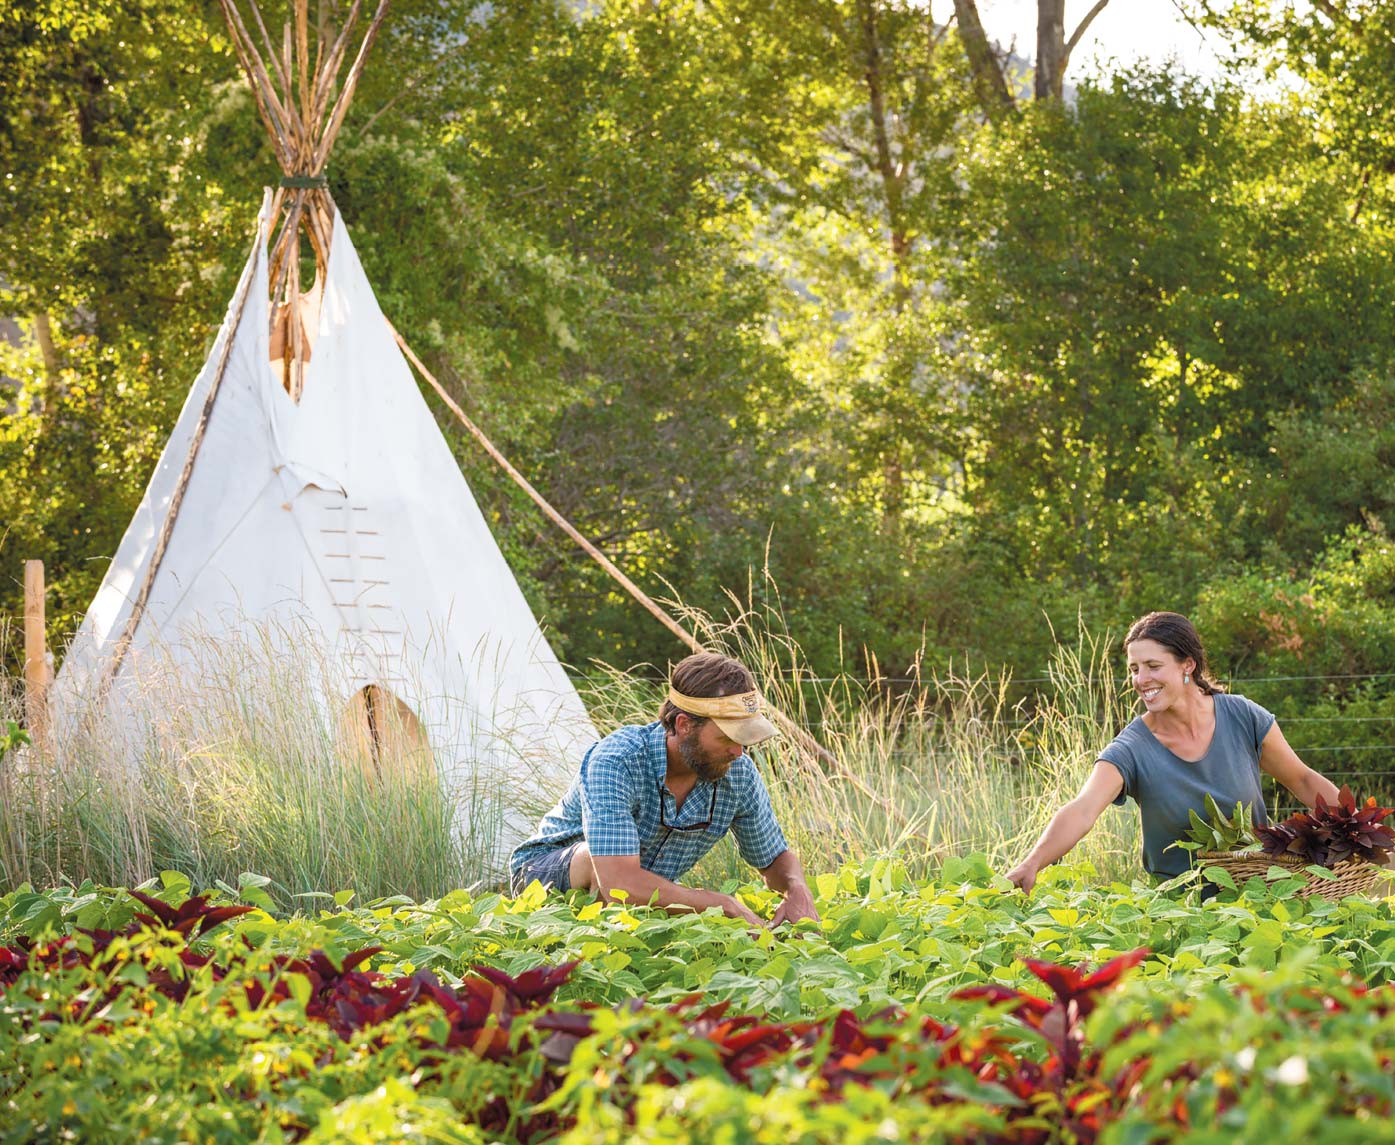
1186, 677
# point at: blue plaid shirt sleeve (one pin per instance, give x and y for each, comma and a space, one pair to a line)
758, 835
608, 801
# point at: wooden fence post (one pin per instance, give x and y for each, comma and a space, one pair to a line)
35, 656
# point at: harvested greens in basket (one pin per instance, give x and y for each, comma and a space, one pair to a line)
1332, 834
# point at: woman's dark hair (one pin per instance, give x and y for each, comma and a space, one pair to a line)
703, 675
1179, 636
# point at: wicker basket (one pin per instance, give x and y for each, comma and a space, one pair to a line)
1353, 876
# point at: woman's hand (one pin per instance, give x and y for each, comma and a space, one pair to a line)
1023, 876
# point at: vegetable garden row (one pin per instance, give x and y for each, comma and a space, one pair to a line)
947, 1009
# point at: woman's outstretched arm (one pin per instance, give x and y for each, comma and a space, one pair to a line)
1071, 823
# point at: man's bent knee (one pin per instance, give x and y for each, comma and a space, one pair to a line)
553, 870
582, 873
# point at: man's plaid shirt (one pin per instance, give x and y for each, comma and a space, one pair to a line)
614, 805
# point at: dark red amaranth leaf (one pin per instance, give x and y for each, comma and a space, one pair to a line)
1076, 985
566, 1032
211, 918
1028, 1007
1059, 1022
13, 963
162, 911
193, 915
1332, 833
534, 986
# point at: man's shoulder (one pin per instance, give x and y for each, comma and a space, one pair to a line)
626, 746
744, 776
633, 737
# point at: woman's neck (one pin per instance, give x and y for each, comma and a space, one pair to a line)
1190, 718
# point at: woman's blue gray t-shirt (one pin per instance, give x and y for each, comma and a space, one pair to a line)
1166, 787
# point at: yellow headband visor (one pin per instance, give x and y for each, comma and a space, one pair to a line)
741, 718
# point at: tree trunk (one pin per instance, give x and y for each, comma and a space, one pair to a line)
990, 86
892, 173
1051, 48
893, 170
43, 334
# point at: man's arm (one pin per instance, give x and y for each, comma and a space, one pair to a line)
762, 844
623, 873
786, 876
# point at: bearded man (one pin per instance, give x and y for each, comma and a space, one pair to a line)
651, 800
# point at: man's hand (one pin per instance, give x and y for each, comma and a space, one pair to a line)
798, 904
733, 908
605, 874
786, 876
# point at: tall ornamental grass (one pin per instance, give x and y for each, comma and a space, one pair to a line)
234, 768
229, 766
927, 765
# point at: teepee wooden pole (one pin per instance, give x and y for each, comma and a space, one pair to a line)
324, 80
266, 43
553, 515
36, 680
288, 67
346, 93
273, 114
787, 725
302, 47
162, 541
295, 349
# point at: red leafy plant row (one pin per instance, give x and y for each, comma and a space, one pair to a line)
1069, 1095
1332, 834
480, 1012
1069, 1088
926, 1060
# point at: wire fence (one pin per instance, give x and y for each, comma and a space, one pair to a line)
1023, 720
1357, 750
805, 678
1368, 767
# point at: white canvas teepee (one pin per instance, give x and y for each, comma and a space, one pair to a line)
313, 495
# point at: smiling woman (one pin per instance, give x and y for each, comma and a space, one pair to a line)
1192, 740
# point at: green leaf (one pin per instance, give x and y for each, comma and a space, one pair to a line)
299, 987
249, 890
1220, 876
177, 884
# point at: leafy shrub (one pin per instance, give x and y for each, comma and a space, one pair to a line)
1333, 623
1219, 831
1348, 739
